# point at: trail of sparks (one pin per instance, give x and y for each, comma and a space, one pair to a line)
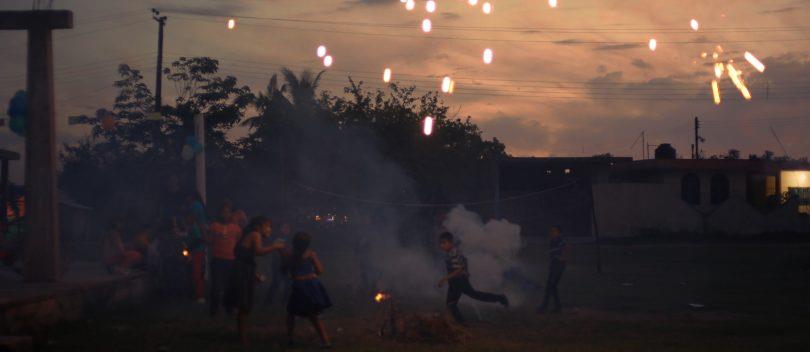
736, 77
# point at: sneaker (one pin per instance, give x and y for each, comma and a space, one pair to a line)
504, 301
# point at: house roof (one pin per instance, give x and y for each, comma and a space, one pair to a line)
9, 155
712, 165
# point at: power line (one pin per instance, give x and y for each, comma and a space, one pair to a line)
429, 205
524, 30
640, 44
459, 79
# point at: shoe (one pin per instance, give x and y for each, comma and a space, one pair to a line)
504, 301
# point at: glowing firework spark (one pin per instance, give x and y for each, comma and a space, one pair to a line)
446, 81
552, 3
185, 253
487, 56
486, 7
472, 2
321, 51
716, 92
694, 24
653, 44
703, 55
426, 25
231, 23
410, 5
430, 6
736, 77
427, 127
754, 62
718, 69
387, 75
327, 60
381, 296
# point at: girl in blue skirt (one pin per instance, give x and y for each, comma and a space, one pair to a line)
308, 297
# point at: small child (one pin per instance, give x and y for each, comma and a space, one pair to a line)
117, 258
458, 278
278, 281
308, 297
196, 243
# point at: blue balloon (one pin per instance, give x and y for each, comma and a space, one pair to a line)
18, 110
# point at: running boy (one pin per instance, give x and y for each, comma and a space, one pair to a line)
458, 278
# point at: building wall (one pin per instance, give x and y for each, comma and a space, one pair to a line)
625, 209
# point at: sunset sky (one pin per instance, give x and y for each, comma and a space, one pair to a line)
576, 80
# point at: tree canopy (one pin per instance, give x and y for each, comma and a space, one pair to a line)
272, 148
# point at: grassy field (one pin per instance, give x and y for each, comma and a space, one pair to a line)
755, 297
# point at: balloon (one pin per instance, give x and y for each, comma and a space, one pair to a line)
17, 110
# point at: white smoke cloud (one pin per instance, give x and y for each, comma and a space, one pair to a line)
491, 249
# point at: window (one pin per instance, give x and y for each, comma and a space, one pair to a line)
690, 189
719, 188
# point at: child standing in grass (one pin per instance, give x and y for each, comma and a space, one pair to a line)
308, 297
224, 234
557, 255
458, 279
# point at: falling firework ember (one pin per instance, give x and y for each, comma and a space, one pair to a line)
387, 75
446, 84
472, 2
426, 25
487, 8
754, 62
653, 44
427, 127
552, 3
231, 23
410, 5
185, 253
430, 6
736, 77
487, 56
327, 60
694, 24
716, 92
321, 51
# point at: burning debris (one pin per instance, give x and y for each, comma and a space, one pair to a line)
393, 323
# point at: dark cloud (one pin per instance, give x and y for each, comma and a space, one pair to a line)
205, 8
644, 65
523, 134
568, 42
450, 16
618, 47
781, 10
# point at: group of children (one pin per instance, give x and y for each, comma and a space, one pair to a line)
229, 245
234, 274
231, 249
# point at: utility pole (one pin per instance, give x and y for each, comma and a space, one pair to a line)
41, 259
698, 138
644, 143
161, 20
199, 162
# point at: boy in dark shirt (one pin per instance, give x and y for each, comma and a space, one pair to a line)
458, 278
557, 253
